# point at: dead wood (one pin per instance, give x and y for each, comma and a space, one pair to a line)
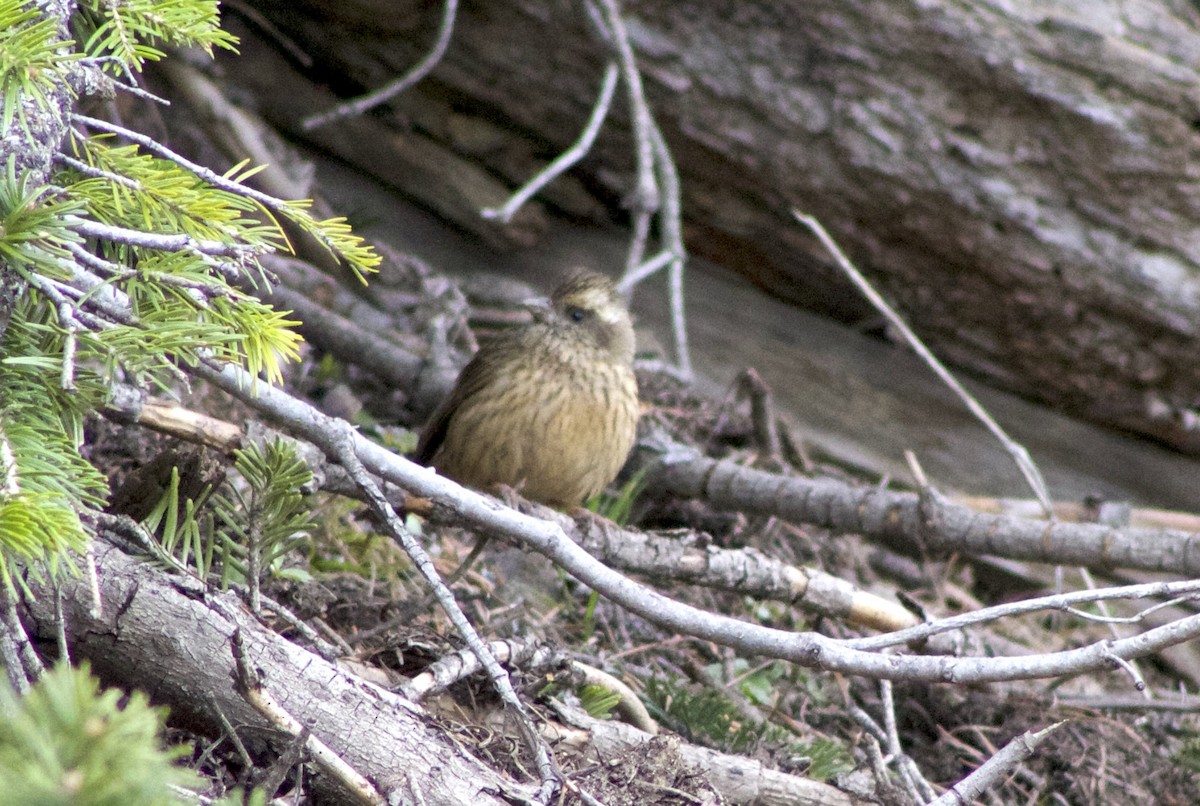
906, 523
170, 637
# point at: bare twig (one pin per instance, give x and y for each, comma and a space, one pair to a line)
322, 647
1106, 615
566, 159
421, 69
456, 666
252, 690
657, 181
611, 25
339, 441
230, 732
271, 778
762, 411
60, 626
988, 775
341, 334
165, 243
1018, 452
635, 269
1138, 618
1166, 701
68, 321
1130, 669
1188, 589
910, 774
671, 223
640, 271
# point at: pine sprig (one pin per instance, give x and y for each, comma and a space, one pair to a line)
337, 237
130, 31
137, 262
32, 61
272, 515
140, 191
35, 225
69, 742
45, 482
37, 528
176, 325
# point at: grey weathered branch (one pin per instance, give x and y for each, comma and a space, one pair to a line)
676, 558
807, 649
987, 776
901, 521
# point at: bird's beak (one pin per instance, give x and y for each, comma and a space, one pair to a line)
539, 307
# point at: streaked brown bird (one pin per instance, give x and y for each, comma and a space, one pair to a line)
550, 408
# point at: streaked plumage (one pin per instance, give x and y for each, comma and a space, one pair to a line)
550, 408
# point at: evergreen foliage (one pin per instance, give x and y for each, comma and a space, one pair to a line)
68, 742
267, 520
120, 262
137, 263
128, 33
31, 60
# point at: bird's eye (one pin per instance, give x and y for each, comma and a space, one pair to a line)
575, 313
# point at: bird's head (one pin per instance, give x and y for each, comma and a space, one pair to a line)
587, 305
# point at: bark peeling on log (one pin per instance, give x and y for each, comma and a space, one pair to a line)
170, 637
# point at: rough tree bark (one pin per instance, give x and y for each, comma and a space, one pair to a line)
171, 638
1019, 176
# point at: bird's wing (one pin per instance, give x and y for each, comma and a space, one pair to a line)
475, 377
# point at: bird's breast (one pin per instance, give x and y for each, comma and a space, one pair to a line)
559, 432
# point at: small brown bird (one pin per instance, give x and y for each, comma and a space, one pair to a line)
550, 408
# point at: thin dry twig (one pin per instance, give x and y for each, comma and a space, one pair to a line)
565, 160
671, 224
657, 192
421, 69
251, 689
1187, 589
988, 775
456, 666
60, 625
230, 731
338, 439
805, 648
910, 774
1020, 455
608, 20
